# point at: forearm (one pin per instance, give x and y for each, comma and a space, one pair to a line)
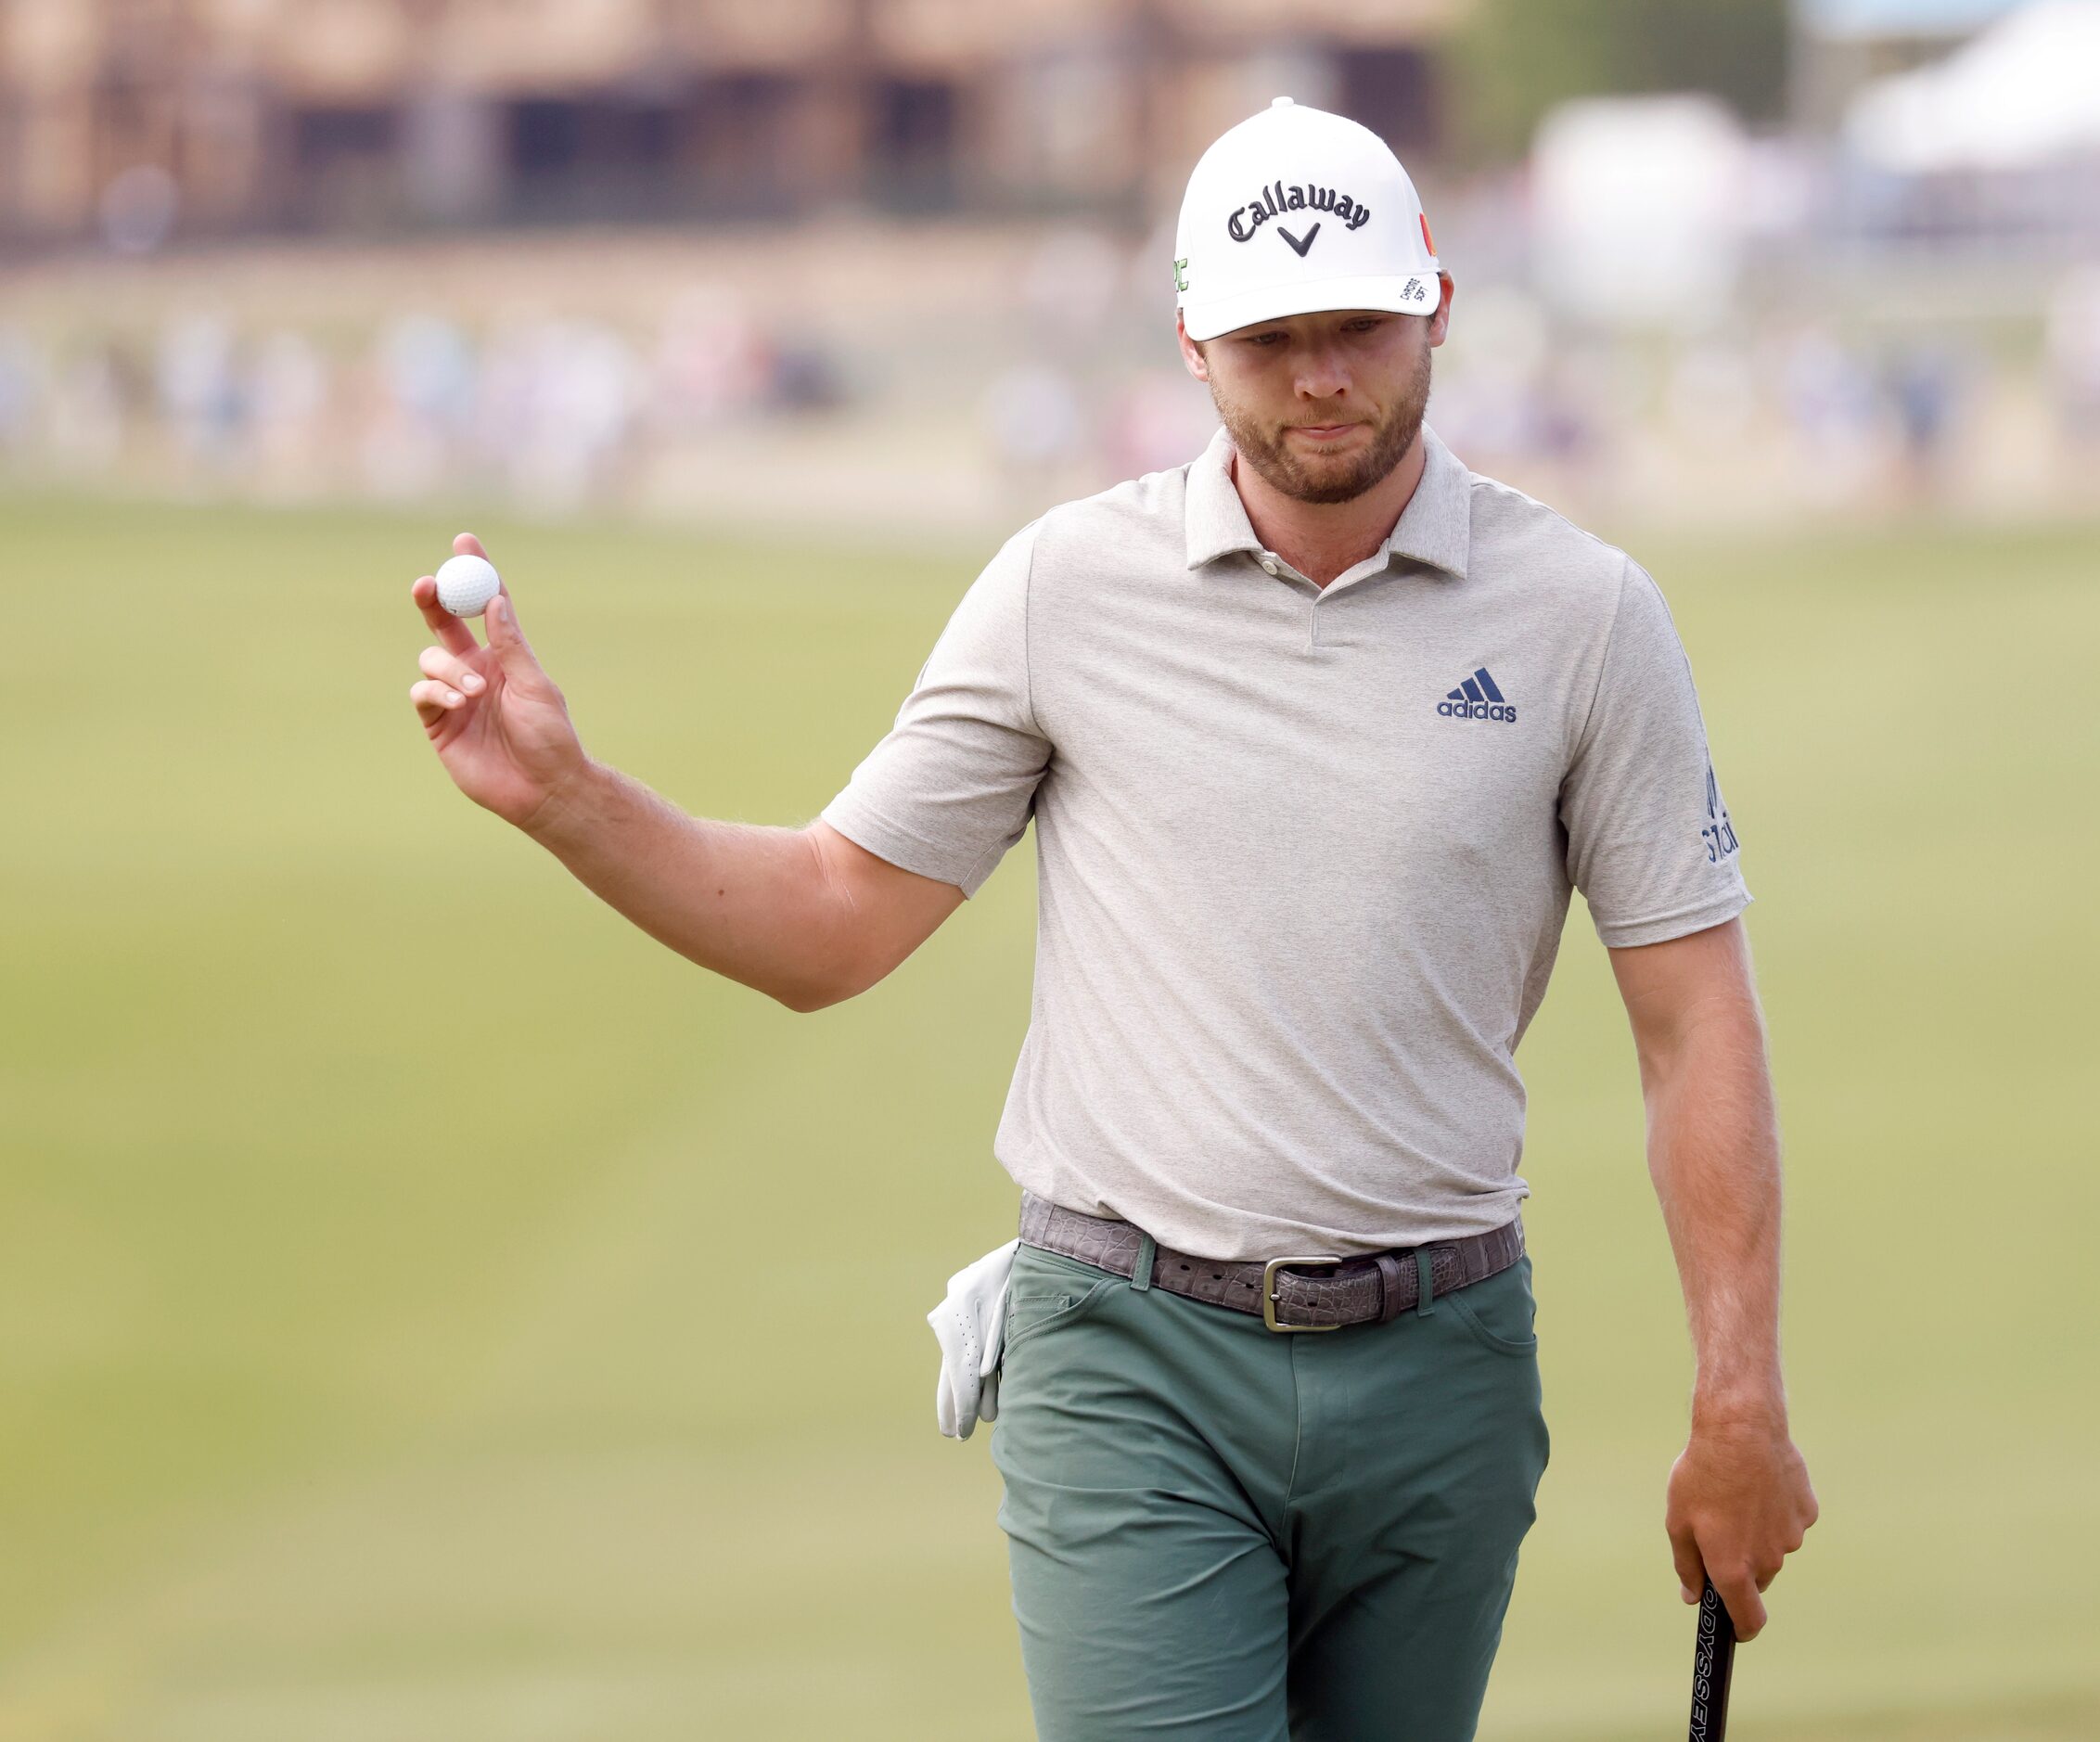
1713, 1153
1739, 1495
752, 903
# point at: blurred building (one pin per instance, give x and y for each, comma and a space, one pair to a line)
145, 118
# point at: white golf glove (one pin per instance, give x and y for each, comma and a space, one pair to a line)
971, 1324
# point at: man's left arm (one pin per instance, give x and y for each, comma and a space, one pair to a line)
1739, 1497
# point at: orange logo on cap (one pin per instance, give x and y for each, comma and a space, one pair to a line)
1426, 241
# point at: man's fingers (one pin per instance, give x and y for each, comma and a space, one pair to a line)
1691, 1569
510, 645
467, 545
434, 699
448, 629
1745, 1608
449, 668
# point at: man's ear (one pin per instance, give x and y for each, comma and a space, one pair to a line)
1440, 323
1192, 352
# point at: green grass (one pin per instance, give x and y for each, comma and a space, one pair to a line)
394, 1336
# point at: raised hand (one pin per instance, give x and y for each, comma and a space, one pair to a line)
497, 721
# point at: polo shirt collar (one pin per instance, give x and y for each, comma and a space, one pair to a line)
1436, 527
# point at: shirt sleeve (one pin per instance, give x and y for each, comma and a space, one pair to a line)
953, 785
1650, 842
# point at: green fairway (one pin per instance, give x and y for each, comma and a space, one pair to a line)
432, 1311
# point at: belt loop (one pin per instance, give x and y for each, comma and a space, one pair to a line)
1390, 1273
1147, 1249
1425, 1277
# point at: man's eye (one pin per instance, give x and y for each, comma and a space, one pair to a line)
1265, 338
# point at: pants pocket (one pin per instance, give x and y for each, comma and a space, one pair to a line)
1500, 1310
1047, 1290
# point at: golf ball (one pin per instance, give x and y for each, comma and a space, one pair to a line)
465, 585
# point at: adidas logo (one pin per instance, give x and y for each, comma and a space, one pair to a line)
1477, 699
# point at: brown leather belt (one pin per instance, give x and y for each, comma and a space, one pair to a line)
1373, 1290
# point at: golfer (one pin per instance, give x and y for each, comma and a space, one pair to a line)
1318, 732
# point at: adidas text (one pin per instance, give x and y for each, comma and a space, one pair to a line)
1477, 698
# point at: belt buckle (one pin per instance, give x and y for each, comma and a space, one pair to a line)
1269, 1291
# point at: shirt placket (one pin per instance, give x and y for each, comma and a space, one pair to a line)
1277, 568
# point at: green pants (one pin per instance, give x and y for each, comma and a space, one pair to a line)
1217, 1532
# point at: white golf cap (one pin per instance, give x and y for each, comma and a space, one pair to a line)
1294, 211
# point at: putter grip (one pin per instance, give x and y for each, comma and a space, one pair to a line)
1714, 1665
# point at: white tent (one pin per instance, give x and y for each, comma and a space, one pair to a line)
2024, 93
1638, 208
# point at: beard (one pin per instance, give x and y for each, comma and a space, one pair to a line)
1317, 478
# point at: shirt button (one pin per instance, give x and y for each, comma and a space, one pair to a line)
1270, 564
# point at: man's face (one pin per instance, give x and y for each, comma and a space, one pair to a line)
1322, 406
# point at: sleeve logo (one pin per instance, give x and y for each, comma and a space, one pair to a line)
1719, 834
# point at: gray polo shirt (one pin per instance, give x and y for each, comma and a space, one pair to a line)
1305, 854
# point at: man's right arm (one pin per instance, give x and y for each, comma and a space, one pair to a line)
802, 914
805, 915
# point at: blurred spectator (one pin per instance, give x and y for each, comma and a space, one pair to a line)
21, 388
87, 414
581, 392
199, 391
1827, 392
2071, 348
289, 392
713, 359
1037, 425
1924, 382
428, 368
426, 377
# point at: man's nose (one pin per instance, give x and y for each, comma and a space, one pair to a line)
1322, 374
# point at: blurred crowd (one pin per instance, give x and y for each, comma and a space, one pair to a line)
544, 409
1075, 386
1831, 411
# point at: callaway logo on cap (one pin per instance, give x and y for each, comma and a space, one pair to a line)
1294, 211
